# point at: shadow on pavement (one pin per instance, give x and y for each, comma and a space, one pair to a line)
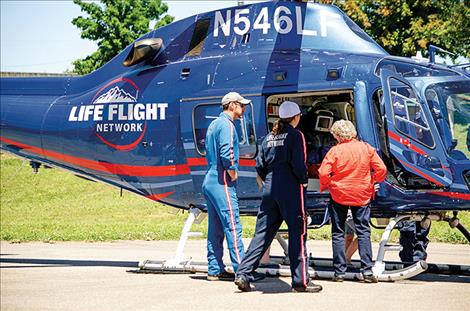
32, 262
272, 285
269, 285
441, 278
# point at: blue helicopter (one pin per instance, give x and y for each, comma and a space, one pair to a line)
139, 122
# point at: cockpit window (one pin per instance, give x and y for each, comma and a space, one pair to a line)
408, 115
450, 107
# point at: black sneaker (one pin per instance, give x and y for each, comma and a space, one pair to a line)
370, 278
338, 278
311, 288
224, 276
242, 283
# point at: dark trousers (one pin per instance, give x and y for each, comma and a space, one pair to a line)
270, 217
414, 241
361, 216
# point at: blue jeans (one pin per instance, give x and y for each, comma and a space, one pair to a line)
361, 216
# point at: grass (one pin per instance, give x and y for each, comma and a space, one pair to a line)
54, 205
461, 132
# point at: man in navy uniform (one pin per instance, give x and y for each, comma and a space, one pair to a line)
219, 188
281, 165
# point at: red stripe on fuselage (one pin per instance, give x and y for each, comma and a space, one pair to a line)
245, 162
203, 162
110, 168
422, 174
405, 142
159, 196
197, 161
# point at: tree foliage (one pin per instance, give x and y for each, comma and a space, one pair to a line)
404, 27
114, 24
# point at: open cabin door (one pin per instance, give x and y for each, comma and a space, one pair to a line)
412, 136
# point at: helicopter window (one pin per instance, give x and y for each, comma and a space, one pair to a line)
199, 36
449, 103
398, 173
409, 117
204, 114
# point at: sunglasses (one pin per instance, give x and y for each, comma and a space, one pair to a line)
240, 104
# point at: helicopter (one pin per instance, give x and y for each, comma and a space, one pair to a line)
139, 122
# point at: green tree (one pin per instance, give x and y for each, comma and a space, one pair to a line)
114, 24
404, 27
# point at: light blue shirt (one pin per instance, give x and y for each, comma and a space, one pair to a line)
222, 144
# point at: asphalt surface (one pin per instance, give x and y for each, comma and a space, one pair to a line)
92, 276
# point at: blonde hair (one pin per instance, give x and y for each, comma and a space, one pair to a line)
343, 130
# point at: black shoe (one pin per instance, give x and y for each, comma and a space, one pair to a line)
338, 278
370, 278
242, 283
224, 276
258, 276
311, 288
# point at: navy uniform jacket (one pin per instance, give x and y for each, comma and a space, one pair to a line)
281, 164
281, 161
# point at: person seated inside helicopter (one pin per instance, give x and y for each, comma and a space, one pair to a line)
315, 125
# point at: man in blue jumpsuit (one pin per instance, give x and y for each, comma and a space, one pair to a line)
219, 188
281, 165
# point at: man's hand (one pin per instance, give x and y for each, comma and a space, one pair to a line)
305, 185
233, 174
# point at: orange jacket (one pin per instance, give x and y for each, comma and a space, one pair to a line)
346, 172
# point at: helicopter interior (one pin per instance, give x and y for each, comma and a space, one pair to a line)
319, 111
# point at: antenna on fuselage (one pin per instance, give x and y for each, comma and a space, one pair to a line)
432, 50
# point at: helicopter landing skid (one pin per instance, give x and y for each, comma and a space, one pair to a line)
321, 271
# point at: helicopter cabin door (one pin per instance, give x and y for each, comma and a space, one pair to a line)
412, 137
196, 116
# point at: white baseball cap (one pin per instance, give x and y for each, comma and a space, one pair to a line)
234, 97
288, 110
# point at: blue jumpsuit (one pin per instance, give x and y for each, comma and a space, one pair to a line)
219, 191
281, 165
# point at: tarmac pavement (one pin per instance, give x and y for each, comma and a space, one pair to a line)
92, 276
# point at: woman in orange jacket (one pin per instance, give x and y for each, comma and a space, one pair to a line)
349, 171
